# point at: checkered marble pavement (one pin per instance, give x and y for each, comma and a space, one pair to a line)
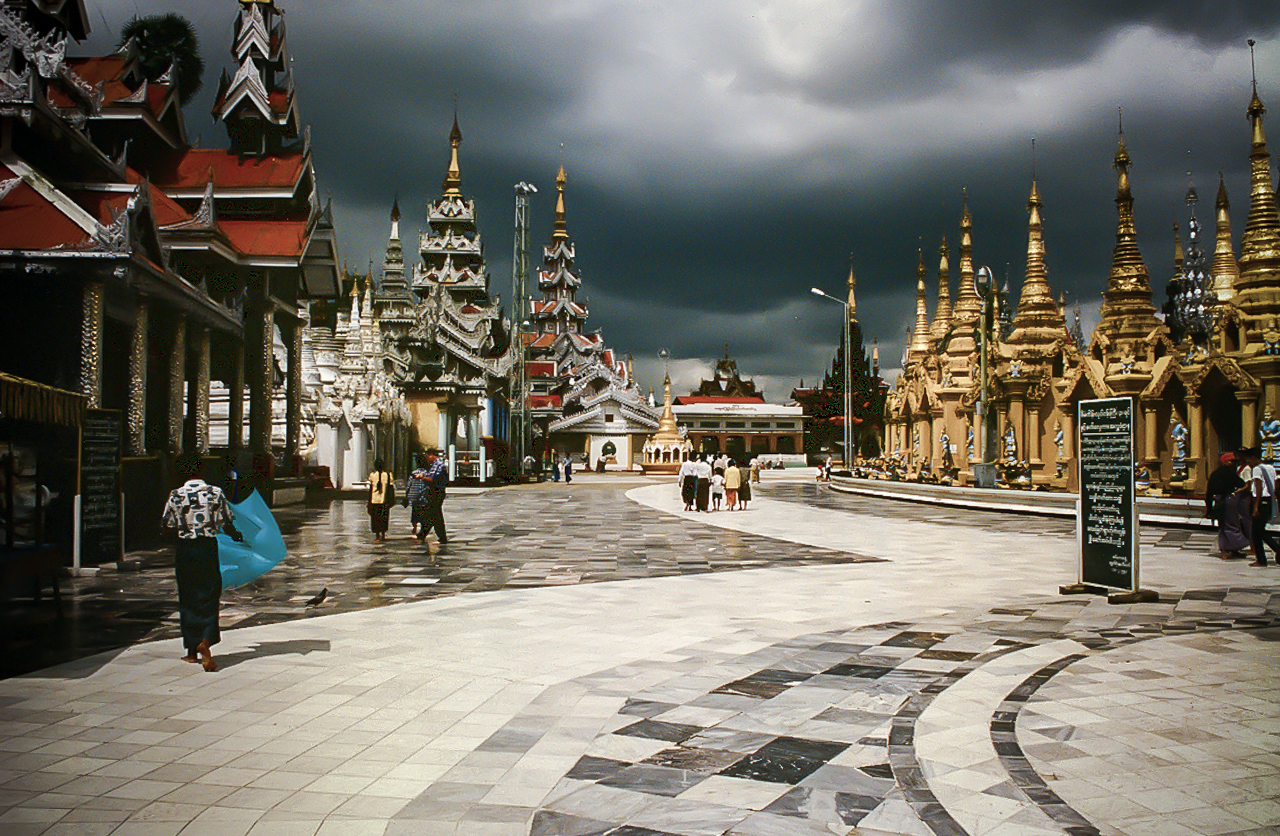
939, 688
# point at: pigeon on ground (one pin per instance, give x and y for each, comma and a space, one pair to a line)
315, 602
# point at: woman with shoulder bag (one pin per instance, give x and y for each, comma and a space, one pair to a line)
382, 493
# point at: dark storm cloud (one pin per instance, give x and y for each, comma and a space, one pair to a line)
725, 157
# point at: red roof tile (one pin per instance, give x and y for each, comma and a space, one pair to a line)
29, 222
267, 238
536, 401
541, 368
191, 170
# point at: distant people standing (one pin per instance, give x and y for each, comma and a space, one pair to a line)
732, 484
555, 468
382, 494
744, 492
198, 510
688, 480
702, 469
437, 479
1225, 502
1263, 489
568, 469
755, 470
415, 496
717, 489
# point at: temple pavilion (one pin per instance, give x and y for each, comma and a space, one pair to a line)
1194, 395
144, 275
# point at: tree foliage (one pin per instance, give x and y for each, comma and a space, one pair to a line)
164, 41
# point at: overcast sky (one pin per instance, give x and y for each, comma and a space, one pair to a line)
725, 156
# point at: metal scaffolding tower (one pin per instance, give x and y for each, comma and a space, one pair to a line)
521, 429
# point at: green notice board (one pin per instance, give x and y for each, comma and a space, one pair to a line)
1108, 524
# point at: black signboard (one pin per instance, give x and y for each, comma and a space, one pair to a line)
100, 511
1107, 527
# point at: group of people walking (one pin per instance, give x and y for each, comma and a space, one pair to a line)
1241, 495
707, 482
424, 493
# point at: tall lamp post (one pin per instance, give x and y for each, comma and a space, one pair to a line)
848, 391
984, 473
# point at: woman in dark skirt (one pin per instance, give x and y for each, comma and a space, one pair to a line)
382, 493
744, 490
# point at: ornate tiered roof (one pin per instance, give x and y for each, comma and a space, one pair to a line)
458, 340
258, 102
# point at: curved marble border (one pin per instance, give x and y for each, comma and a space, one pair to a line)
1004, 736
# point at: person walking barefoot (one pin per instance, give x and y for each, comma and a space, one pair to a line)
198, 510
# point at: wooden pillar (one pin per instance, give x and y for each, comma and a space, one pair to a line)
1035, 435
293, 394
136, 417
1150, 433
200, 401
93, 299
1249, 420
1195, 425
235, 400
1068, 436
260, 332
176, 378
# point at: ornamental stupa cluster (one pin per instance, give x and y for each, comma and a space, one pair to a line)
1194, 395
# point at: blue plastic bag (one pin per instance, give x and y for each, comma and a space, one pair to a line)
262, 549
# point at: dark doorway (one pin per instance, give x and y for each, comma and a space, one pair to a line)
1225, 416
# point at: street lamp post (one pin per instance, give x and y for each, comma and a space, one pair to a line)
984, 473
848, 385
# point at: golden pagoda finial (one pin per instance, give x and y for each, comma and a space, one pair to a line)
1178, 255
942, 314
967, 305
920, 334
561, 228
1039, 319
453, 177
853, 287
1260, 243
1225, 268
1128, 307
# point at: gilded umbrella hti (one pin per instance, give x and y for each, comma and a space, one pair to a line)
263, 547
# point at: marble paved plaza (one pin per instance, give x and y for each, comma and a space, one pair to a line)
589, 659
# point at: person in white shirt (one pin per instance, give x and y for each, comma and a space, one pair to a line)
702, 469
717, 489
1262, 485
688, 481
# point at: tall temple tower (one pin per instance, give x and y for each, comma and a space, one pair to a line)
458, 352
583, 399
559, 312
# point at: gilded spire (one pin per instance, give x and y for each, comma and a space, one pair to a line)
667, 423
1260, 244
920, 336
1226, 272
395, 219
453, 177
942, 314
853, 287
1039, 318
968, 306
561, 231
1128, 293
